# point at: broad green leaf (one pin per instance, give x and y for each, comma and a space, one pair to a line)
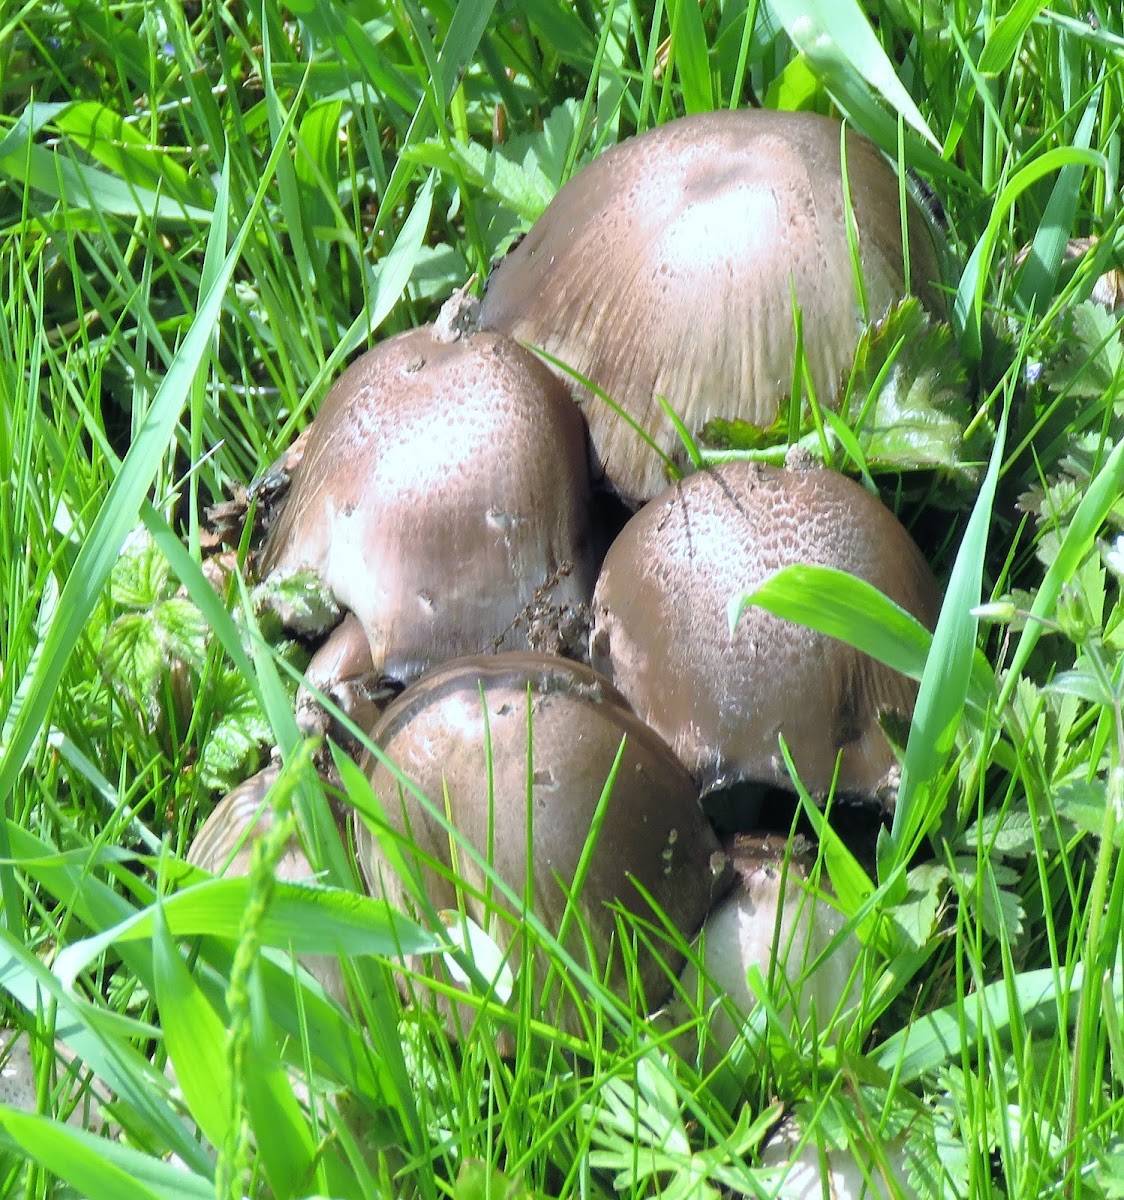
690, 54
846, 607
121, 147
99, 1168
194, 1037
1041, 997
81, 186
307, 920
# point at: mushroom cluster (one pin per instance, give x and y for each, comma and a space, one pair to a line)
445, 499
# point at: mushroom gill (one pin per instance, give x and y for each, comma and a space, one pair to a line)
669, 267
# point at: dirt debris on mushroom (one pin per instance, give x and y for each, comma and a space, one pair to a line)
722, 699
460, 735
443, 487
670, 265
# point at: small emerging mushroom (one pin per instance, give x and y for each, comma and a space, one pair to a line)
442, 493
669, 267
721, 699
773, 921
516, 749
817, 1171
343, 670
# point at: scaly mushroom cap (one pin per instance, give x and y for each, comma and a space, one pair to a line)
444, 489
654, 838
661, 630
668, 267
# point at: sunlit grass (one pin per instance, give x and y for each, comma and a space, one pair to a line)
204, 213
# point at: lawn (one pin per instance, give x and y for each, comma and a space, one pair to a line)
206, 212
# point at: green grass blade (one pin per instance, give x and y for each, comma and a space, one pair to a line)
1040, 274
307, 920
974, 281
945, 683
837, 38
98, 1168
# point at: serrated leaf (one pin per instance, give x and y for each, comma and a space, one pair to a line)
140, 577
916, 915
1009, 833
1090, 354
132, 655
547, 151
1031, 714
1085, 685
235, 744
1002, 913
1082, 802
985, 886
298, 601
520, 187
183, 631
911, 389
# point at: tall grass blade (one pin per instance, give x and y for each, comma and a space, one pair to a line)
98, 1168
945, 683
837, 38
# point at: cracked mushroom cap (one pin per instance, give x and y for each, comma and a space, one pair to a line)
443, 491
654, 838
668, 267
720, 699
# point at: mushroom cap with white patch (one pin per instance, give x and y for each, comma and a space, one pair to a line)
671, 266
444, 489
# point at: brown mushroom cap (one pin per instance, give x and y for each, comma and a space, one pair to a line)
225, 845
654, 836
668, 267
444, 488
661, 631
342, 669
